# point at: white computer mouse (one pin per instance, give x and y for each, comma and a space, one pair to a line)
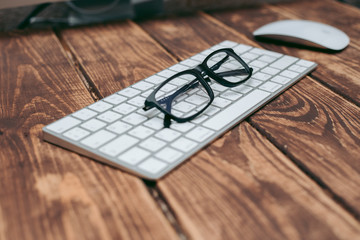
305, 32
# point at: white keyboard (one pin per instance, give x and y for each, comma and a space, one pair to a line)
116, 131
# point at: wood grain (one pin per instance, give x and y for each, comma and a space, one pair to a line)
332, 156
341, 66
323, 130
242, 187
114, 56
193, 29
47, 192
195, 206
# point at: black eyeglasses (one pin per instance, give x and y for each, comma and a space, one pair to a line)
187, 94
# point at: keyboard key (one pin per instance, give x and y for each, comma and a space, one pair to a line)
198, 57
167, 134
169, 155
221, 102
270, 70
152, 165
258, 64
147, 93
184, 107
235, 110
199, 134
168, 88
129, 92
155, 123
109, 116
211, 110
190, 63
100, 106
231, 95
124, 108
242, 89
281, 79
178, 68
63, 124
199, 119
241, 48
305, 63
283, 62
166, 73
267, 58
289, 74
137, 101
297, 68
93, 125
84, 114
119, 127
143, 86
76, 133
115, 99
249, 56
179, 82
253, 82
228, 44
134, 156
141, 132
266, 52
152, 144
261, 76
155, 79
182, 127
98, 139
149, 113
218, 87
207, 52
118, 145
197, 99
270, 86
184, 144
134, 119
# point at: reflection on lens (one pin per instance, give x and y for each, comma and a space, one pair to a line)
227, 67
183, 96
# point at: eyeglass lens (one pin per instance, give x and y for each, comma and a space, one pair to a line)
227, 67
183, 96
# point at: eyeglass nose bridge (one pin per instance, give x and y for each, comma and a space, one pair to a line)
200, 69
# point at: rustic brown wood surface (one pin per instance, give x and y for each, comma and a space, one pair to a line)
291, 171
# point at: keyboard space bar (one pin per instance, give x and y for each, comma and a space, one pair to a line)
234, 111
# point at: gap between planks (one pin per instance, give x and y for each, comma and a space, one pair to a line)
338, 199
327, 190
96, 95
152, 188
334, 90
88, 83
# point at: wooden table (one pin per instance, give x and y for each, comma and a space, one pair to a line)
290, 171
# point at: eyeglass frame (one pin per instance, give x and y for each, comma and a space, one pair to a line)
198, 71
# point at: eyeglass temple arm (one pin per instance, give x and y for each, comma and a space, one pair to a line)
235, 73
168, 99
183, 89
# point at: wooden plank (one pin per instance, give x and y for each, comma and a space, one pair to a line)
203, 183
114, 56
342, 66
188, 35
47, 192
195, 29
242, 187
331, 117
